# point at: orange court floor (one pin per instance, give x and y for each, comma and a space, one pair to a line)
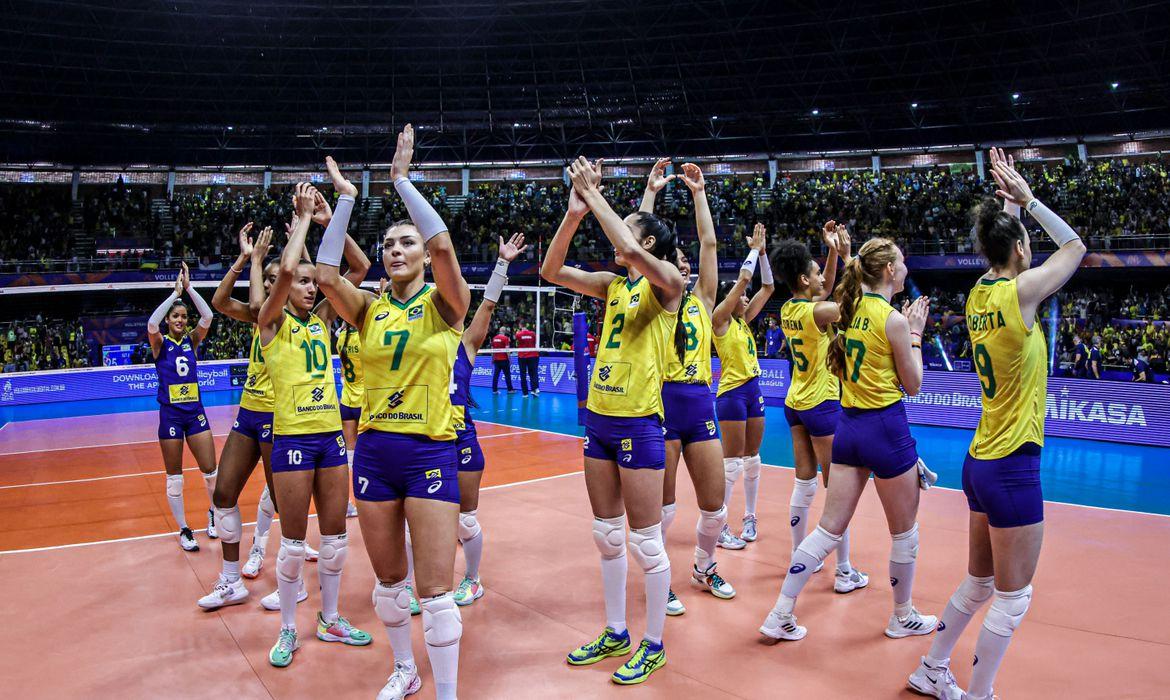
100, 600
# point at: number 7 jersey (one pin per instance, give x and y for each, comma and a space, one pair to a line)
870, 379
301, 369
408, 356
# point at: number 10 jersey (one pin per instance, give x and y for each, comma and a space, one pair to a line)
301, 368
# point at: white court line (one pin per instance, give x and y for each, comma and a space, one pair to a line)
92, 478
89, 447
496, 435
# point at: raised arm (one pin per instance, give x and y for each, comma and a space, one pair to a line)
474, 336
1037, 284
997, 156
271, 313
654, 184
222, 301
708, 282
452, 295
836, 237
767, 283
554, 269
256, 293
342, 294
354, 256
153, 329
904, 331
206, 315
721, 315
663, 274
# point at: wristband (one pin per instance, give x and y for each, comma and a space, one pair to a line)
233, 269
750, 263
766, 271
1060, 232
422, 214
916, 345
495, 285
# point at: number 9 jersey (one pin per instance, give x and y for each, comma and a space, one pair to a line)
408, 355
301, 370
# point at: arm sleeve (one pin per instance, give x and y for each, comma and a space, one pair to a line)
206, 315
156, 318
495, 285
332, 246
425, 218
1056, 228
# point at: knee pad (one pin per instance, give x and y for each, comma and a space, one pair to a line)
227, 524
266, 507
609, 534
712, 521
290, 561
804, 491
210, 477
646, 548
972, 593
392, 603
442, 623
752, 466
904, 549
174, 485
468, 526
1007, 611
732, 468
333, 553
819, 543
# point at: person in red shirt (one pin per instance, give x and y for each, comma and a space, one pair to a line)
529, 361
501, 364
591, 343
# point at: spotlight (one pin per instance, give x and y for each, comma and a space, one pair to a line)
1114, 85
815, 112
913, 105
1015, 96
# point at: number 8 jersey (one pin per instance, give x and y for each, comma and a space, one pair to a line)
301, 370
408, 356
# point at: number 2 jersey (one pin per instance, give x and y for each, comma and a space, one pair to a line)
1012, 362
812, 383
301, 369
178, 378
408, 352
631, 359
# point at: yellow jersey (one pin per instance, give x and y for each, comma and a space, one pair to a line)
870, 379
258, 395
631, 356
1012, 362
301, 369
696, 365
737, 356
812, 382
408, 354
349, 347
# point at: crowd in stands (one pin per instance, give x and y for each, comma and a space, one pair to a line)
38, 343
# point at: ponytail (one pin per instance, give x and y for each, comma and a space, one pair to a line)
680, 331
867, 267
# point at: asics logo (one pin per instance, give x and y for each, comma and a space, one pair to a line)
434, 487
941, 625
893, 581
795, 520
318, 394
614, 302
797, 568
976, 660
627, 458
382, 316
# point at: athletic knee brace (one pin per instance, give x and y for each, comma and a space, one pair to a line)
972, 593
333, 553
609, 535
1007, 611
290, 561
266, 507
819, 543
210, 477
646, 548
804, 491
712, 521
174, 485
227, 524
732, 468
468, 526
904, 549
752, 467
392, 603
442, 623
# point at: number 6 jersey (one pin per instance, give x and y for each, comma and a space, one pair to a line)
408, 356
178, 380
301, 369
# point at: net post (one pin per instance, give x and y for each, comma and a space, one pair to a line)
581, 361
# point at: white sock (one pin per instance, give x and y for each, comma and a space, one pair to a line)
993, 641
409, 559
707, 531
444, 659
399, 635
613, 581
265, 511
209, 483
330, 581
175, 486
657, 593
667, 519
843, 554
902, 572
472, 553
954, 620
289, 590
231, 571
803, 492
751, 483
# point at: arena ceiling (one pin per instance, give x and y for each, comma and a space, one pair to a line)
219, 82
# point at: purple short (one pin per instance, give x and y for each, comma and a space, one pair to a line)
743, 402
633, 443
294, 453
468, 449
877, 439
689, 412
820, 420
254, 425
351, 412
177, 421
1007, 489
397, 466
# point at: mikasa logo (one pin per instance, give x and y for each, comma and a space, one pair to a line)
1110, 412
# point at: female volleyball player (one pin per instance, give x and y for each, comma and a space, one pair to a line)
739, 403
1001, 475
405, 466
812, 406
688, 412
308, 448
471, 461
877, 357
180, 408
625, 453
